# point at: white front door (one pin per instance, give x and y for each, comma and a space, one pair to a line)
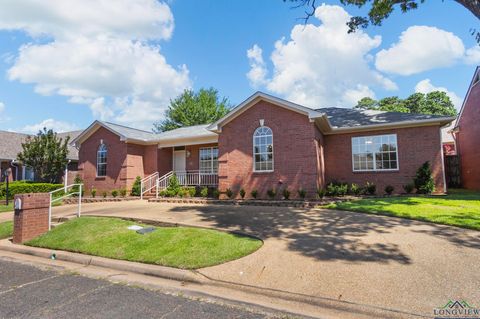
179, 159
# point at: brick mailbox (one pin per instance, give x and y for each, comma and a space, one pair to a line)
31, 216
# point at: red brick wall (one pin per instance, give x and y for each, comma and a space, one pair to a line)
164, 160
415, 146
116, 162
150, 159
295, 152
32, 220
468, 140
134, 165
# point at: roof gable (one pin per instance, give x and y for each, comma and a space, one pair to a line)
254, 99
475, 81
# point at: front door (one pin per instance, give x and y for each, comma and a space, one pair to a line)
179, 159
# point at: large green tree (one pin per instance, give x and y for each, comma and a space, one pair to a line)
435, 102
193, 108
46, 154
379, 10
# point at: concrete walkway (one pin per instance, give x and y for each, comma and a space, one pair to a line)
371, 260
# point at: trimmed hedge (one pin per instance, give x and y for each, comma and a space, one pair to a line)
20, 187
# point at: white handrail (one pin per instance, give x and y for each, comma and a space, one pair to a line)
148, 183
79, 193
188, 178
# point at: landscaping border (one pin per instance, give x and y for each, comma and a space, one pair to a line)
74, 200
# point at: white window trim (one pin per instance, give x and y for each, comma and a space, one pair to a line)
106, 159
211, 160
253, 153
374, 153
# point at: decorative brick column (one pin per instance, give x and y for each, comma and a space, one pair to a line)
31, 220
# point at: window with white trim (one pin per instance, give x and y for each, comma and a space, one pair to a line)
263, 149
209, 160
375, 153
102, 160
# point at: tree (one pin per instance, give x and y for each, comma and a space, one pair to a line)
423, 179
192, 108
436, 103
46, 154
381, 10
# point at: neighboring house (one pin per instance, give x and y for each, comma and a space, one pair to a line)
11, 145
265, 143
467, 134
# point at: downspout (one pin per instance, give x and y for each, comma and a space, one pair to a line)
13, 163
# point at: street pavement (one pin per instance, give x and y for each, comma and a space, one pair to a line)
30, 292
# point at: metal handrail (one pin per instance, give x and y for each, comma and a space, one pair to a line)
148, 183
65, 188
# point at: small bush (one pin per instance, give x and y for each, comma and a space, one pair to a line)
204, 192
114, 193
370, 188
181, 193
136, 187
242, 193
321, 193
302, 193
389, 189
337, 189
174, 185
162, 193
254, 194
342, 189
271, 193
191, 191
408, 188
423, 180
170, 193
229, 193
355, 189
93, 192
104, 194
286, 194
215, 193
123, 192
332, 190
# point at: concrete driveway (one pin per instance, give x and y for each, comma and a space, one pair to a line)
385, 262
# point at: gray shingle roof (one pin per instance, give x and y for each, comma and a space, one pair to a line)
347, 118
131, 133
186, 132
11, 144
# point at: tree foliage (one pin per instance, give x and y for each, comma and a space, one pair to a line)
192, 108
46, 154
436, 102
380, 10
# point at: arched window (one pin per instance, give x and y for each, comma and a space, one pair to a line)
102, 160
263, 149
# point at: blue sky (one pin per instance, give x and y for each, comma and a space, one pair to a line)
123, 64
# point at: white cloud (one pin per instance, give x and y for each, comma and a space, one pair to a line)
426, 86
321, 65
472, 55
57, 126
421, 48
98, 53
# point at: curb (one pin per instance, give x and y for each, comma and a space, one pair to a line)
130, 266
365, 311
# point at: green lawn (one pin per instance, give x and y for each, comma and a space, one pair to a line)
6, 229
459, 208
180, 247
4, 208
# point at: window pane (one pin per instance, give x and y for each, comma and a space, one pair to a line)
374, 152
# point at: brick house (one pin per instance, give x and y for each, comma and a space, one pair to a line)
267, 142
467, 135
11, 145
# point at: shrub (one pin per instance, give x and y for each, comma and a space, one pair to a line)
229, 193
302, 193
93, 192
337, 189
170, 193
408, 188
215, 193
204, 192
104, 194
355, 189
389, 189
423, 179
370, 188
114, 193
271, 193
19, 187
182, 192
123, 192
242, 193
173, 185
321, 193
286, 194
332, 190
77, 180
162, 193
136, 187
191, 191
342, 189
254, 193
